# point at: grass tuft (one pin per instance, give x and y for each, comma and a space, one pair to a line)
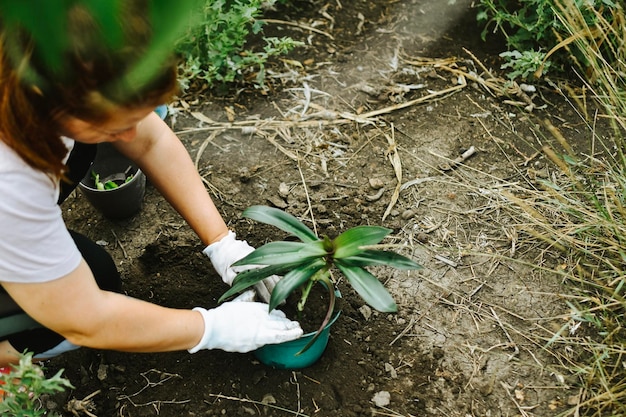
580, 212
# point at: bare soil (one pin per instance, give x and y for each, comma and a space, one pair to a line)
360, 126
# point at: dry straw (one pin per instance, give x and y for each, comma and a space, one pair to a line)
580, 211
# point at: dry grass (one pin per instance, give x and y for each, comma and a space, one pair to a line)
580, 212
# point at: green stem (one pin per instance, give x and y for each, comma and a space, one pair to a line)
318, 276
305, 295
325, 279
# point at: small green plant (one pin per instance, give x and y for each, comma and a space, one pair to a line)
24, 386
109, 184
530, 25
524, 64
310, 261
215, 50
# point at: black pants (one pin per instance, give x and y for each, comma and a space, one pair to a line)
41, 339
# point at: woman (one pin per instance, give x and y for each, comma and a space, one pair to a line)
61, 289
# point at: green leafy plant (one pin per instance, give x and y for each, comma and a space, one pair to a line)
524, 64
537, 25
310, 261
215, 50
109, 184
24, 386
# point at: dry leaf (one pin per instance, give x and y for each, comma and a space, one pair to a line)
230, 113
202, 117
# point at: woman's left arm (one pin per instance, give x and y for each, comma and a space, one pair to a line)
166, 162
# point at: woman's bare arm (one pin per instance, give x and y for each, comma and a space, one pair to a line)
76, 308
164, 159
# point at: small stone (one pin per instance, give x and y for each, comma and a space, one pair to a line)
391, 370
102, 372
268, 399
407, 214
283, 190
382, 399
277, 202
376, 183
249, 410
365, 311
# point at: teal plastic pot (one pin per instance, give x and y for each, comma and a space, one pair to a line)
283, 355
123, 201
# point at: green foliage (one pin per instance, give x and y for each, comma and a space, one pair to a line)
524, 64
210, 35
534, 27
215, 49
109, 184
303, 263
42, 18
309, 261
24, 386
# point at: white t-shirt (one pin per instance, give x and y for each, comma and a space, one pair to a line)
35, 245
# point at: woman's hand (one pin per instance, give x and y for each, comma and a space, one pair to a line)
242, 327
229, 250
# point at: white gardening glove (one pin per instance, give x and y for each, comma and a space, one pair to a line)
229, 250
242, 327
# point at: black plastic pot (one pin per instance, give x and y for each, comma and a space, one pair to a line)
116, 203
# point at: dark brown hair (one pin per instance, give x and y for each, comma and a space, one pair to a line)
94, 83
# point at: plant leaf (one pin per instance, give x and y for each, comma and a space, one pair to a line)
247, 279
371, 257
282, 220
275, 253
369, 288
349, 242
294, 279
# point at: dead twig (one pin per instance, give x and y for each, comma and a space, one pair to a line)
163, 378
206, 142
84, 406
394, 158
245, 400
299, 25
508, 336
308, 198
270, 139
446, 261
417, 181
521, 409
119, 243
406, 330
462, 84
457, 161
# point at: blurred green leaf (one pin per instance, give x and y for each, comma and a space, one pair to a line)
46, 22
